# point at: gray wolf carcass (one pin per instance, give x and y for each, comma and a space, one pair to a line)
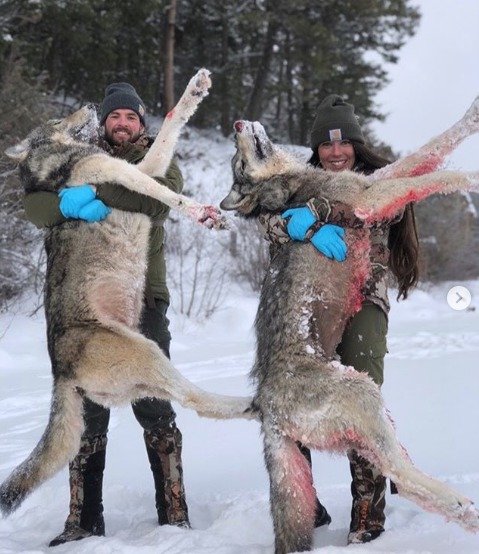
303, 394
94, 287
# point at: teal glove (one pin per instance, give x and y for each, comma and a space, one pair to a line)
300, 220
94, 211
329, 241
73, 199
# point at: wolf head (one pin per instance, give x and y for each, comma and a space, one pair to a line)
258, 166
79, 127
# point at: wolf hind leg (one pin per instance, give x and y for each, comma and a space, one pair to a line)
57, 446
384, 450
125, 366
431, 156
292, 494
386, 198
429, 493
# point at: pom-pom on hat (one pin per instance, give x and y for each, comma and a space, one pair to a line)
335, 120
122, 95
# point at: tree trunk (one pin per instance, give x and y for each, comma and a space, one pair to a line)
254, 109
223, 87
169, 97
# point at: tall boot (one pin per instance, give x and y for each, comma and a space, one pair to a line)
368, 489
164, 453
322, 517
86, 479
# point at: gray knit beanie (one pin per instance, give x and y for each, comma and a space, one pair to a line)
335, 120
122, 95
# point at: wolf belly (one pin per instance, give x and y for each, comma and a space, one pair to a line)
96, 272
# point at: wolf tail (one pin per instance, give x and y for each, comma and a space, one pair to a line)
58, 445
213, 405
205, 403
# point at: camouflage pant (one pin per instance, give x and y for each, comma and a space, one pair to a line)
364, 346
368, 488
164, 453
90, 460
86, 506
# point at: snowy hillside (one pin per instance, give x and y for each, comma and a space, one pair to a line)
431, 388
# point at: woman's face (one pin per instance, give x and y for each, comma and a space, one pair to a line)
336, 155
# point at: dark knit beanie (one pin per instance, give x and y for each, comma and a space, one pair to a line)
335, 120
122, 95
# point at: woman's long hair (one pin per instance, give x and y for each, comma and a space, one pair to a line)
403, 241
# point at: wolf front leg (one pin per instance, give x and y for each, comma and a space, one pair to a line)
387, 197
292, 494
431, 156
101, 168
158, 157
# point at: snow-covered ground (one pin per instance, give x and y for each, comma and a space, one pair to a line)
431, 388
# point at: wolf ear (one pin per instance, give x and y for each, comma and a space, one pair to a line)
18, 152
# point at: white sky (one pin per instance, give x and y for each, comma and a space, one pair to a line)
435, 80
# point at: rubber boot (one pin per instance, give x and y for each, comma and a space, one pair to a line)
322, 517
368, 489
164, 453
86, 483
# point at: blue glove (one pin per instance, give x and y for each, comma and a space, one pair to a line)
329, 241
300, 220
74, 198
95, 210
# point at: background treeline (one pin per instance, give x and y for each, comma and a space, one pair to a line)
270, 60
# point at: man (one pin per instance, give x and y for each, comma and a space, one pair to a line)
123, 125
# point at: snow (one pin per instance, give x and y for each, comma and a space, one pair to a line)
431, 389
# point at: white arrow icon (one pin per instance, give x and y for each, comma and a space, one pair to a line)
459, 298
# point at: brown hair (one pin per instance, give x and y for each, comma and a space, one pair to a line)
403, 239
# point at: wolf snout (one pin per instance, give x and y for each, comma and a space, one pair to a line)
238, 126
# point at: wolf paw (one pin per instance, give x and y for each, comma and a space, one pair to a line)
212, 218
200, 83
469, 518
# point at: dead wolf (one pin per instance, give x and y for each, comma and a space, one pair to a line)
94, 288
302, 392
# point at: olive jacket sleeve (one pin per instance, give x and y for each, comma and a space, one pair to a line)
42, 208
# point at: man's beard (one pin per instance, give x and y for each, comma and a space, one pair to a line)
113, 141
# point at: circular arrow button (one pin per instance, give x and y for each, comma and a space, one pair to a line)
459, 298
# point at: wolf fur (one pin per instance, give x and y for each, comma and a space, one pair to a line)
94, 288
302, 393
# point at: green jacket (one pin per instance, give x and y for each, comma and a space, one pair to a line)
42, 209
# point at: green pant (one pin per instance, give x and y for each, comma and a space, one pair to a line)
152, 414
363, 345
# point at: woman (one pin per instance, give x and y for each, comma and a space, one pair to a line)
338, 145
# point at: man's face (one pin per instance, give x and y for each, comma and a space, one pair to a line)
123, 125
336, 155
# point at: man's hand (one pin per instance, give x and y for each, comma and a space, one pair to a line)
73, 199
80, 203
94, 211
300, 220
329, 241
